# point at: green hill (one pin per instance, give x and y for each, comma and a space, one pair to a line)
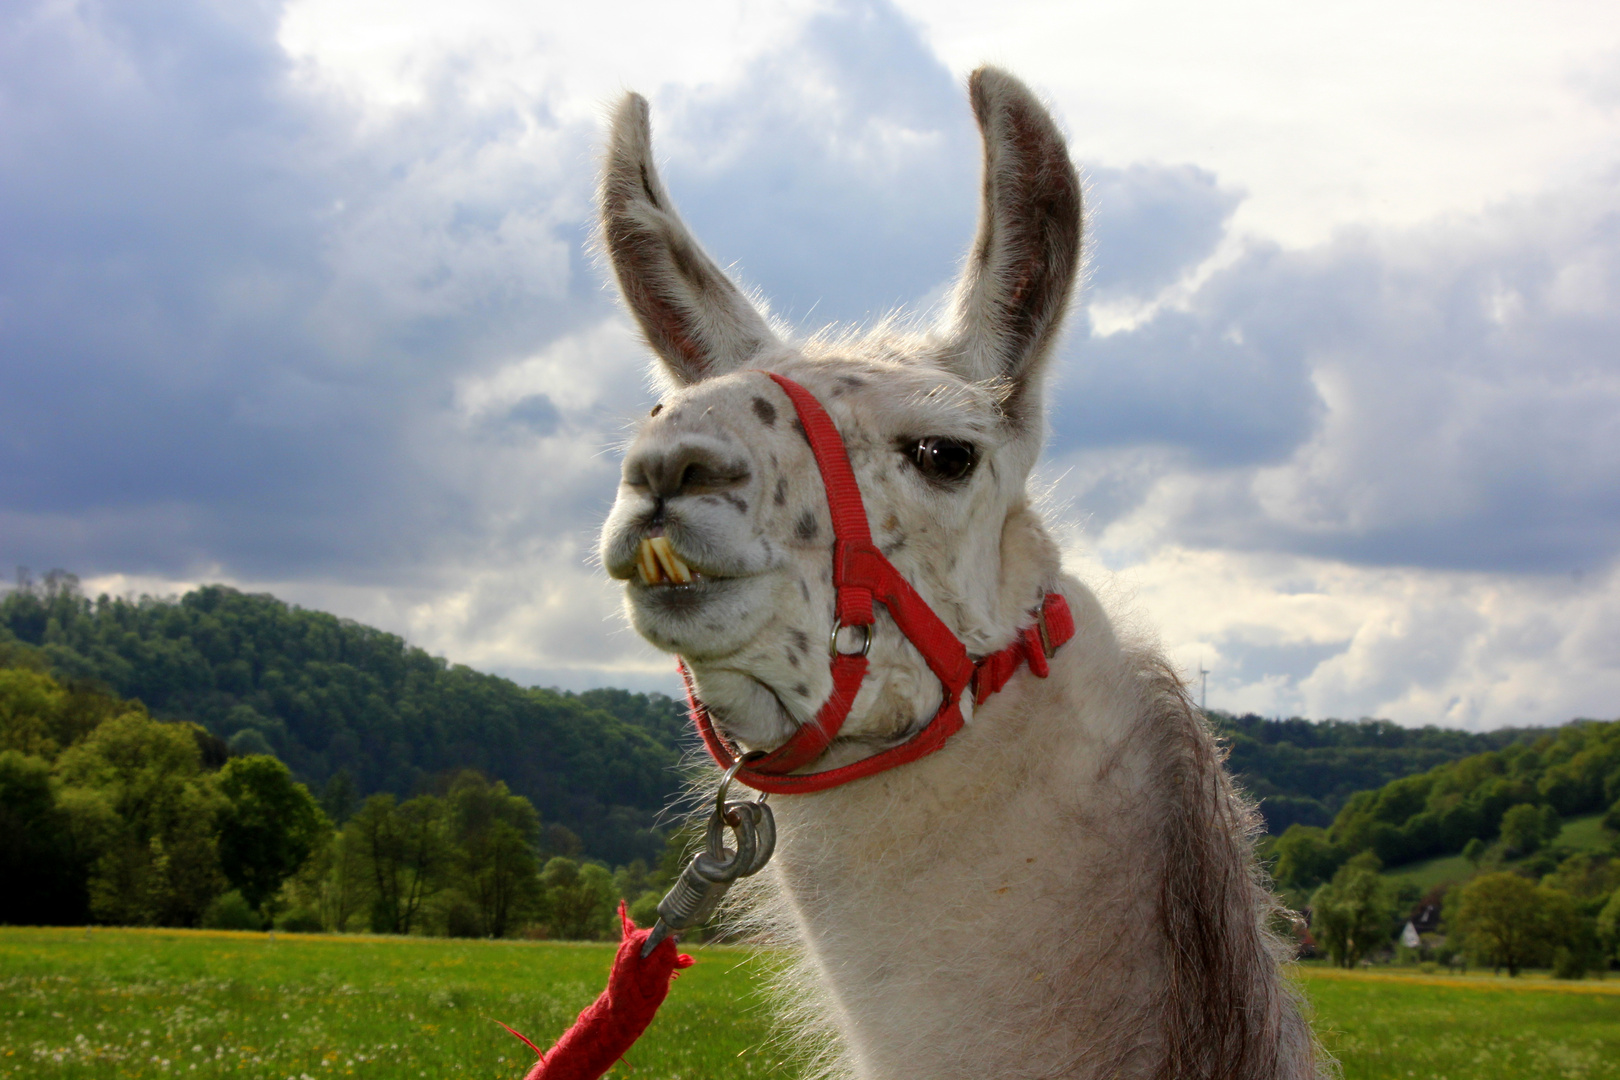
330, 696
1303, 771
334, 698
1549, 793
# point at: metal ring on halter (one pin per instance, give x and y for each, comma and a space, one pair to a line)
720, 794
866, 639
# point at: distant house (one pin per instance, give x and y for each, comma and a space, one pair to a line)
1426, 918
1409, 936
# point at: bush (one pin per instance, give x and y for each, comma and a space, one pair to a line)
1568, 964
644, 909
1611, 820
230, 912
300, 921
577, 901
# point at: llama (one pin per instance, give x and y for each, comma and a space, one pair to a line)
1067, 887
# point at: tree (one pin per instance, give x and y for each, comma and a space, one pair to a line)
1522, 829
1474, 851
269, 826
37, 847
1505, 921
494, 833
1305, 856
1352, 914
1608, 927
576, 901
137, 795
407, 853
339, 797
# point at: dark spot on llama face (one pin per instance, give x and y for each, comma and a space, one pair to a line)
806, 527
765, 411
801, 690
846, 383
799, 427
801, 640
737, 501
895, 546
780, 498
792, 657
656, 409
804, 590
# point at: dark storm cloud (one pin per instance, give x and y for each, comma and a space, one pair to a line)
235, 317
225, 311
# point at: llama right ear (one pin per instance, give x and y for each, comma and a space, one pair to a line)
692, 314
1015, 287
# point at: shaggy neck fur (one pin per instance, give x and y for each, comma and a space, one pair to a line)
1066, 890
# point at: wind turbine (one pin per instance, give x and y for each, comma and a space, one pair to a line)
1203, 688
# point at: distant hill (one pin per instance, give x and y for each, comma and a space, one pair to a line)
1304, 771
328, 695
1499, 806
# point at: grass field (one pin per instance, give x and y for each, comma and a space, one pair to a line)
205, 1005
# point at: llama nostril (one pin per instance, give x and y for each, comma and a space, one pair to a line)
684, 469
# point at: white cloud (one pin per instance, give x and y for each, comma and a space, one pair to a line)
1293, 635
304, 306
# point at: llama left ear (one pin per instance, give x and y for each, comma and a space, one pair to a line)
693, 315
1016, 284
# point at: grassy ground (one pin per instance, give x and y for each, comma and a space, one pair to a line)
204, 1005
1392, 1024
1431, 872
1584, 834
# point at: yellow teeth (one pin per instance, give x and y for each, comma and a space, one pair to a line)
659, 564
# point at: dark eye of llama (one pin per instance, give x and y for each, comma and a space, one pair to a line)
940, 459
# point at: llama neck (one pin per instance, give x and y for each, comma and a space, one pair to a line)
994, 909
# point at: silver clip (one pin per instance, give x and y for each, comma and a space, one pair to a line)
699, 889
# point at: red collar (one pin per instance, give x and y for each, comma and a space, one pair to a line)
862, 575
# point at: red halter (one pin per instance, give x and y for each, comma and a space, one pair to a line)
862, 574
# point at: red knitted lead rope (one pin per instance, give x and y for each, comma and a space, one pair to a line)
611, 1024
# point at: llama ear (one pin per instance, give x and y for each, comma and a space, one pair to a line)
1016, 284
693, 315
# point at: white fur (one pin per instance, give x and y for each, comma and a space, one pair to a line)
1008, 906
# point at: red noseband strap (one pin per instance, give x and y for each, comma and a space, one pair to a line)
862, 575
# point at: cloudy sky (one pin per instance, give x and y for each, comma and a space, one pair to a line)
297, 296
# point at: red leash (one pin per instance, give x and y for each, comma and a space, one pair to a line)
611, 1024
862, 577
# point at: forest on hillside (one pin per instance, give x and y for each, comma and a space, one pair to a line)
1304, 771
347, 704
339, 701
1502, 804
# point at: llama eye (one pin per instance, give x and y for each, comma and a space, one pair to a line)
943, 459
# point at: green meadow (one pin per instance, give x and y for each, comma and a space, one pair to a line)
166, 1003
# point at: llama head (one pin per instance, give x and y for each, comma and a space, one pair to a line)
941, 427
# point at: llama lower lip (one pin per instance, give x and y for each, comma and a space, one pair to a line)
687, 598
